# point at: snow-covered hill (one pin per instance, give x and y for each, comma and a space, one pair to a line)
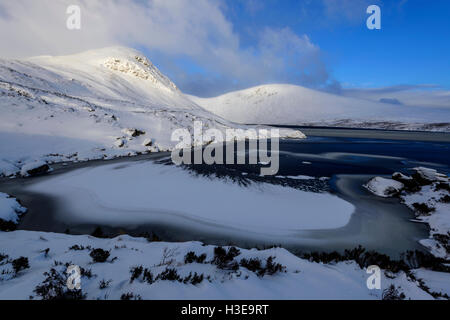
294, 105
96, 104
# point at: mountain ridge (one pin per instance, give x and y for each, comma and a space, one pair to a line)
286, 104
97, 104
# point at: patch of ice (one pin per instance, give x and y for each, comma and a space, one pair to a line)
156, 192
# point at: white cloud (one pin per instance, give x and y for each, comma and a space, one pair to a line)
292, 57
409, 95
196, 29
352, 11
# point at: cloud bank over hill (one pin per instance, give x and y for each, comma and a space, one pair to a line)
196, 32
199, 44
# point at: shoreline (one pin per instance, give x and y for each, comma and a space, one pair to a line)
388, 134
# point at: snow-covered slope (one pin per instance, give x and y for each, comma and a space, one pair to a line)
294, 105
41, 261
116, 73
96, 104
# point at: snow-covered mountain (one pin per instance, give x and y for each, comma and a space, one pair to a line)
283, 104
96, 104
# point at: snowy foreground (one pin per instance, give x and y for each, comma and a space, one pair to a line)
169, 272
285, 104
33, 265
93, 105
427, 193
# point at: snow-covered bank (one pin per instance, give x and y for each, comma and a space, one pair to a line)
143, 192
187, 270
284, 104
93, 105
427, 193
10, 212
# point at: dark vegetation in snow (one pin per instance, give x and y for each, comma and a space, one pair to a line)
168, 274
445, 199
99, 255
364, 258
7, 225
77, 247
423, 208
20, 264
54, 287
17, 265
444, 240
256, 265
98, 233
103, 284
224, 259
130, 296
191, 257
392, 293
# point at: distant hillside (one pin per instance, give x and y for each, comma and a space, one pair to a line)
283, 104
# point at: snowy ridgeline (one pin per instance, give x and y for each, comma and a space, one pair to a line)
94, 105
427, 193
33, 266
285, 104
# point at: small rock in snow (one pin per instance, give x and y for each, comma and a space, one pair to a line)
147, 142
34, 168
426, 176
133, 132
384, 187
119, 143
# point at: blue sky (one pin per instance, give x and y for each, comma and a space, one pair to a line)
412, 47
